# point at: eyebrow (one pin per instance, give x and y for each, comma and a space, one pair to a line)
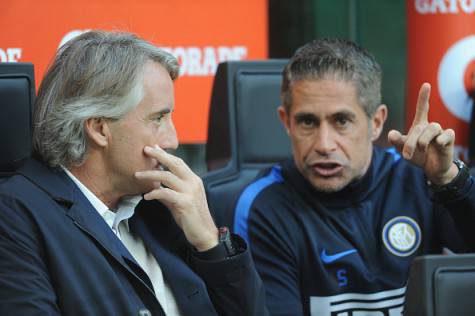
161, 112
344, 113
304, 115
307, 115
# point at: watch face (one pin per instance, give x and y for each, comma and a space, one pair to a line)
223, 233
460, 164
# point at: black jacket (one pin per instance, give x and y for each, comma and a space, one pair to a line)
58, 256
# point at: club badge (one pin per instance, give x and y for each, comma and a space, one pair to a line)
402, 236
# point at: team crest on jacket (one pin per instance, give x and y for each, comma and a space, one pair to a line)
402, 236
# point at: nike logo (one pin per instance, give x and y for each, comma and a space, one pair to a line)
326, 258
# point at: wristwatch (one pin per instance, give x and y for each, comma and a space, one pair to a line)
456, 183
223, 250
225, 240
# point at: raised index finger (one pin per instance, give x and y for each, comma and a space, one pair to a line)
422, 107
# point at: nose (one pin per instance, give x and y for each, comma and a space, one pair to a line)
169, 139
324, 140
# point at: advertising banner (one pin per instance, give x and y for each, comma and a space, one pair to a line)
199, 33
441, 51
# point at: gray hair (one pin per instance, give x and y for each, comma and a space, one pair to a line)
335, 59
95, 75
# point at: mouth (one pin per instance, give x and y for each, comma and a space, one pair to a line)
327, 169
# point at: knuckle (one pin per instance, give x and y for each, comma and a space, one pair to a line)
418, 129
176, 162
408, 147
450, 132
435, 126
440, 141
167, 174
422, 143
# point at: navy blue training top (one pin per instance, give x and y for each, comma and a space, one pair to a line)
348, 252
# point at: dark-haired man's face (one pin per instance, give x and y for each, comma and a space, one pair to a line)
330, 132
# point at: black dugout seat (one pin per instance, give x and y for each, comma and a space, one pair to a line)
441, 285
17, 96
244, 131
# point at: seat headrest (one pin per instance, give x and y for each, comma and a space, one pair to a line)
17, 96
244, 126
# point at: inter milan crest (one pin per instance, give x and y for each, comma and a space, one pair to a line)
402, 236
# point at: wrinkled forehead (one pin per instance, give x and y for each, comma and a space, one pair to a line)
325, 95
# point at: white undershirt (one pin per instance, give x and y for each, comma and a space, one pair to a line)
118, 222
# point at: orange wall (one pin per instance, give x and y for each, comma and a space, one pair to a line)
441, 50
201, 33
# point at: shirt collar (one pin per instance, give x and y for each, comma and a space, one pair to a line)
125, 209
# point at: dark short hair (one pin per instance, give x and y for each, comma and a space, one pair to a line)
335, 59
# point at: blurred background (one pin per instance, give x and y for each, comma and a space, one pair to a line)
377, 25
412, 40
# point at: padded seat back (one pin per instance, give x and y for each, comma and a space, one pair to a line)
17, 96
245, 134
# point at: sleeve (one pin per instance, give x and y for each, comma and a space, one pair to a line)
233, 283
25, 287
455, 217
275, 255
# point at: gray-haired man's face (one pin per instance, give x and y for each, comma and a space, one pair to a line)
148, 124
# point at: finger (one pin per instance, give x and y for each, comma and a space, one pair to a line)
396, 139
165, 195
422, 107
428, 135
164, 177
446, 138
175, 164
412, 139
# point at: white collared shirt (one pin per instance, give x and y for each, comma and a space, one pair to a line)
118, 222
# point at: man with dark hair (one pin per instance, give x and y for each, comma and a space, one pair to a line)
103, 221
333, 231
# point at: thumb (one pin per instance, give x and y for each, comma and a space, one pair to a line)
396, 139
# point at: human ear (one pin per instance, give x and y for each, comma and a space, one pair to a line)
97, 131
284, 118
378, 120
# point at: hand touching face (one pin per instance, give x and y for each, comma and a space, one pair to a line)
183, 193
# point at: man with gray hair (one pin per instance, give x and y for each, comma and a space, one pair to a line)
334, 230
103, 221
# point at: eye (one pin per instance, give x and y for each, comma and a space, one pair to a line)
159, 117
342, 121
306, 121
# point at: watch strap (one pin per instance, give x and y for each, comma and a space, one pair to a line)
224, 249
454, 186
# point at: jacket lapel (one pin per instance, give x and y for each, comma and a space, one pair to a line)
62, 189
155, 225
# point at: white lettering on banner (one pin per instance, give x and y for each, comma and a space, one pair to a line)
70, 35
444, 6
196, 61
356, 304
10, 55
